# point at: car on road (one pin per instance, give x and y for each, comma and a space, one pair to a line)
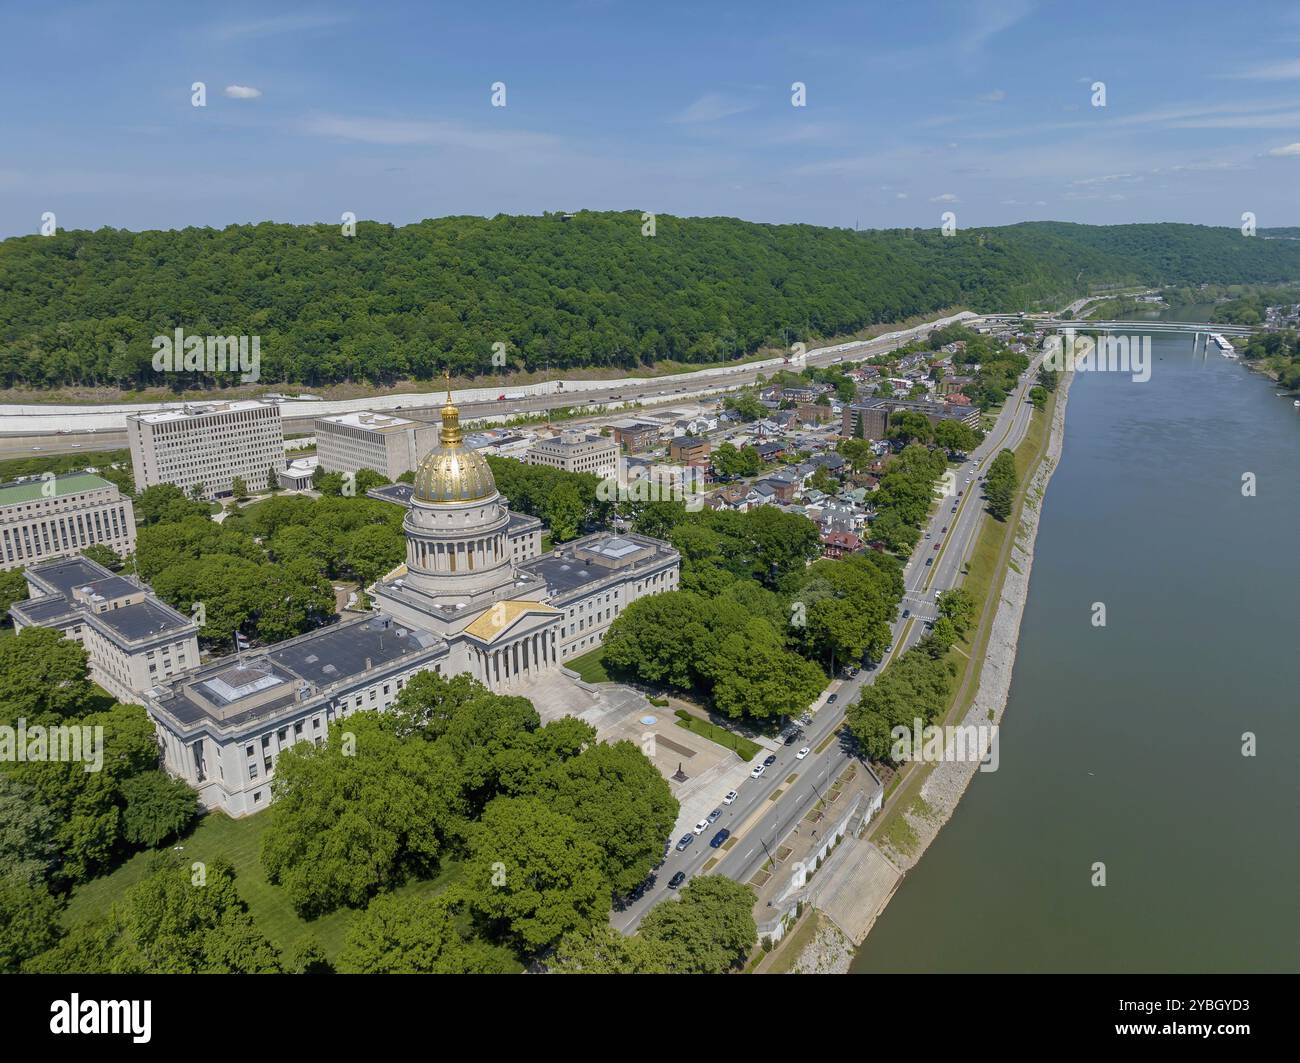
806, 719
832, 699
802, 753
685, 843
717, 840
36, 448
757, 773
769, 760
936, 595
906, 613
929, 561
701, 827
968, 479
714, 816
677, 880
936, 546
731, 797
945, 527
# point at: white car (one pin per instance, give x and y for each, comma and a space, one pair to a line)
936, 595
757, 773
802, 753
701, 826
730, 798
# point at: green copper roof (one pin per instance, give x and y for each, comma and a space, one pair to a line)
31, 490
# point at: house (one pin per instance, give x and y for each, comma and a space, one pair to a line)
832, 462
761, 494
836, 544
771, 450
785, 483
732, 497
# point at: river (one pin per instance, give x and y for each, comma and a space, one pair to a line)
1123, 744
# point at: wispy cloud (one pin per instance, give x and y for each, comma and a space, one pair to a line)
712, 107
402, 132
269, 27
946, 197
242, 92
1285, 151
1285, 71
991, 18
996, 96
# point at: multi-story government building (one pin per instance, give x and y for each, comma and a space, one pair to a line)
474, 595
207, 445
576, 452
350, 442
132, 640
57, 516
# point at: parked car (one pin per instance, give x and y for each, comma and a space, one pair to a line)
757, 773
717, 840
769, 760
802, 753
701, 826
731, 797
677, 880
714, 816
832, 699
936, 595
685, 843
792, 738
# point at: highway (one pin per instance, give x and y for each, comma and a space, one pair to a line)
760, 824
427, 406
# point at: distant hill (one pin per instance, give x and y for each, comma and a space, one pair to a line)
401, 302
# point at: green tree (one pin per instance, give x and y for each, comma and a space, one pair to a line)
42, 677
416, 935
534, 873
158, 807
708, 930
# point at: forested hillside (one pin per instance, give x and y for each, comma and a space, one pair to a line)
392, 303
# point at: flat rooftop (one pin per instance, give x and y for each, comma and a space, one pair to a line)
373, 422
68, 573
142, 620
36, 490
196, 411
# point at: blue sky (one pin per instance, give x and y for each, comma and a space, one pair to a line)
980, 107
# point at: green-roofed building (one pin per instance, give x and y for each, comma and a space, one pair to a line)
47, 517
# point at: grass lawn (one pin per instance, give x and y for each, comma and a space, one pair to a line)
591, 666
743, 747
239, 841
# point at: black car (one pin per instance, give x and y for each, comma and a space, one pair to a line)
685, 843
717, 840
906, 613
792, 738
677, 880
770, 760
831, 699
929, 561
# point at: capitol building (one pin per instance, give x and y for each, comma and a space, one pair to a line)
475, 595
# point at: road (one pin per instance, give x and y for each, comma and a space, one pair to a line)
759, 823
428, 407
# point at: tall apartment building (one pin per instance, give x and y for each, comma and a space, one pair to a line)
870, 419
61, 515
350, 442
576, 452
207, 444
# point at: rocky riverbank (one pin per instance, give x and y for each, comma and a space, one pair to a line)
948, 780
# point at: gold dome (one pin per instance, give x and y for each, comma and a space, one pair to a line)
453, 472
